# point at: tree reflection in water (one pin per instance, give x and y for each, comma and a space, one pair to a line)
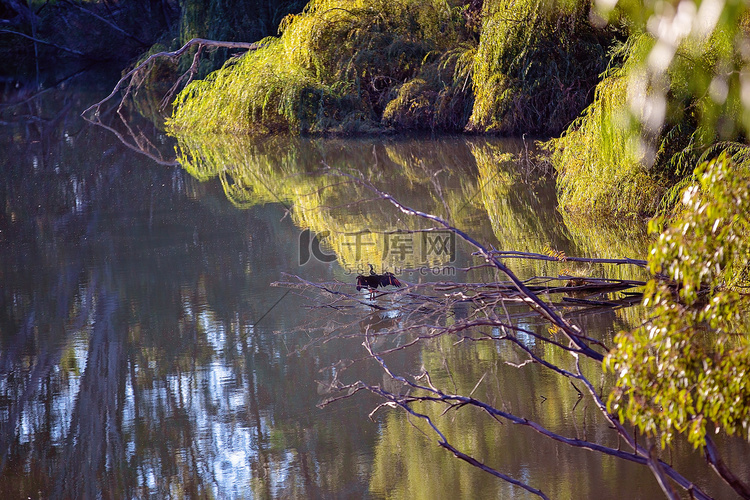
131, 361
138, 356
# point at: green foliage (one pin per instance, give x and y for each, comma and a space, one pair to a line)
439, 97
694, 66
598, 158
536, 65
354, 66
228, 20
688, 370
335, 67
656, 115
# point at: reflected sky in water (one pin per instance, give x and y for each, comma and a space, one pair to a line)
143, 352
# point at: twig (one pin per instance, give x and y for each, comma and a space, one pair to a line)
442, 441
336, 292
44, 42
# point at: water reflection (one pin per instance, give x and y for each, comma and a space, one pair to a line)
143, 352
134, 360
472, 182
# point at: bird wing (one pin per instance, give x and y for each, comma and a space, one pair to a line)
389, 279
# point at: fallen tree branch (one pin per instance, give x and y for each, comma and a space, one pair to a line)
718, 465
512, 254
95, 108
336, 292
662, 471
571, 331
139, 142
642, 457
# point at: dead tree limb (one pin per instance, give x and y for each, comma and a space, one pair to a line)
336, 292
201, 42
661, 469
539, 256
718, 465
133, 78
571, 331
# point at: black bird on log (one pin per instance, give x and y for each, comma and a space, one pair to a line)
374, 280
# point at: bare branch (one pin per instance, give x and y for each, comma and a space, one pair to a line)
571, 331
718, 465
512, 254
153, 57
44, 42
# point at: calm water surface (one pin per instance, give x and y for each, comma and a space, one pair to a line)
144, 352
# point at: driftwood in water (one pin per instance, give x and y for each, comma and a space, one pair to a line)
543, 285
473, 312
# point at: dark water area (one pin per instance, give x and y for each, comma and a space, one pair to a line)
144, 352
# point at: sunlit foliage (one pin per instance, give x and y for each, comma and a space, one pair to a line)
536, 65
350, 66
439, 97
687, 370
336, 67
597, 159
655, 117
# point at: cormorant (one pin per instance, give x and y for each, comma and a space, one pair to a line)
375, 280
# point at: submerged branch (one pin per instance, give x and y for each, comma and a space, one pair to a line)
539, 256
415, 313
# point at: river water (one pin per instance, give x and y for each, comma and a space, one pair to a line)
147, 349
